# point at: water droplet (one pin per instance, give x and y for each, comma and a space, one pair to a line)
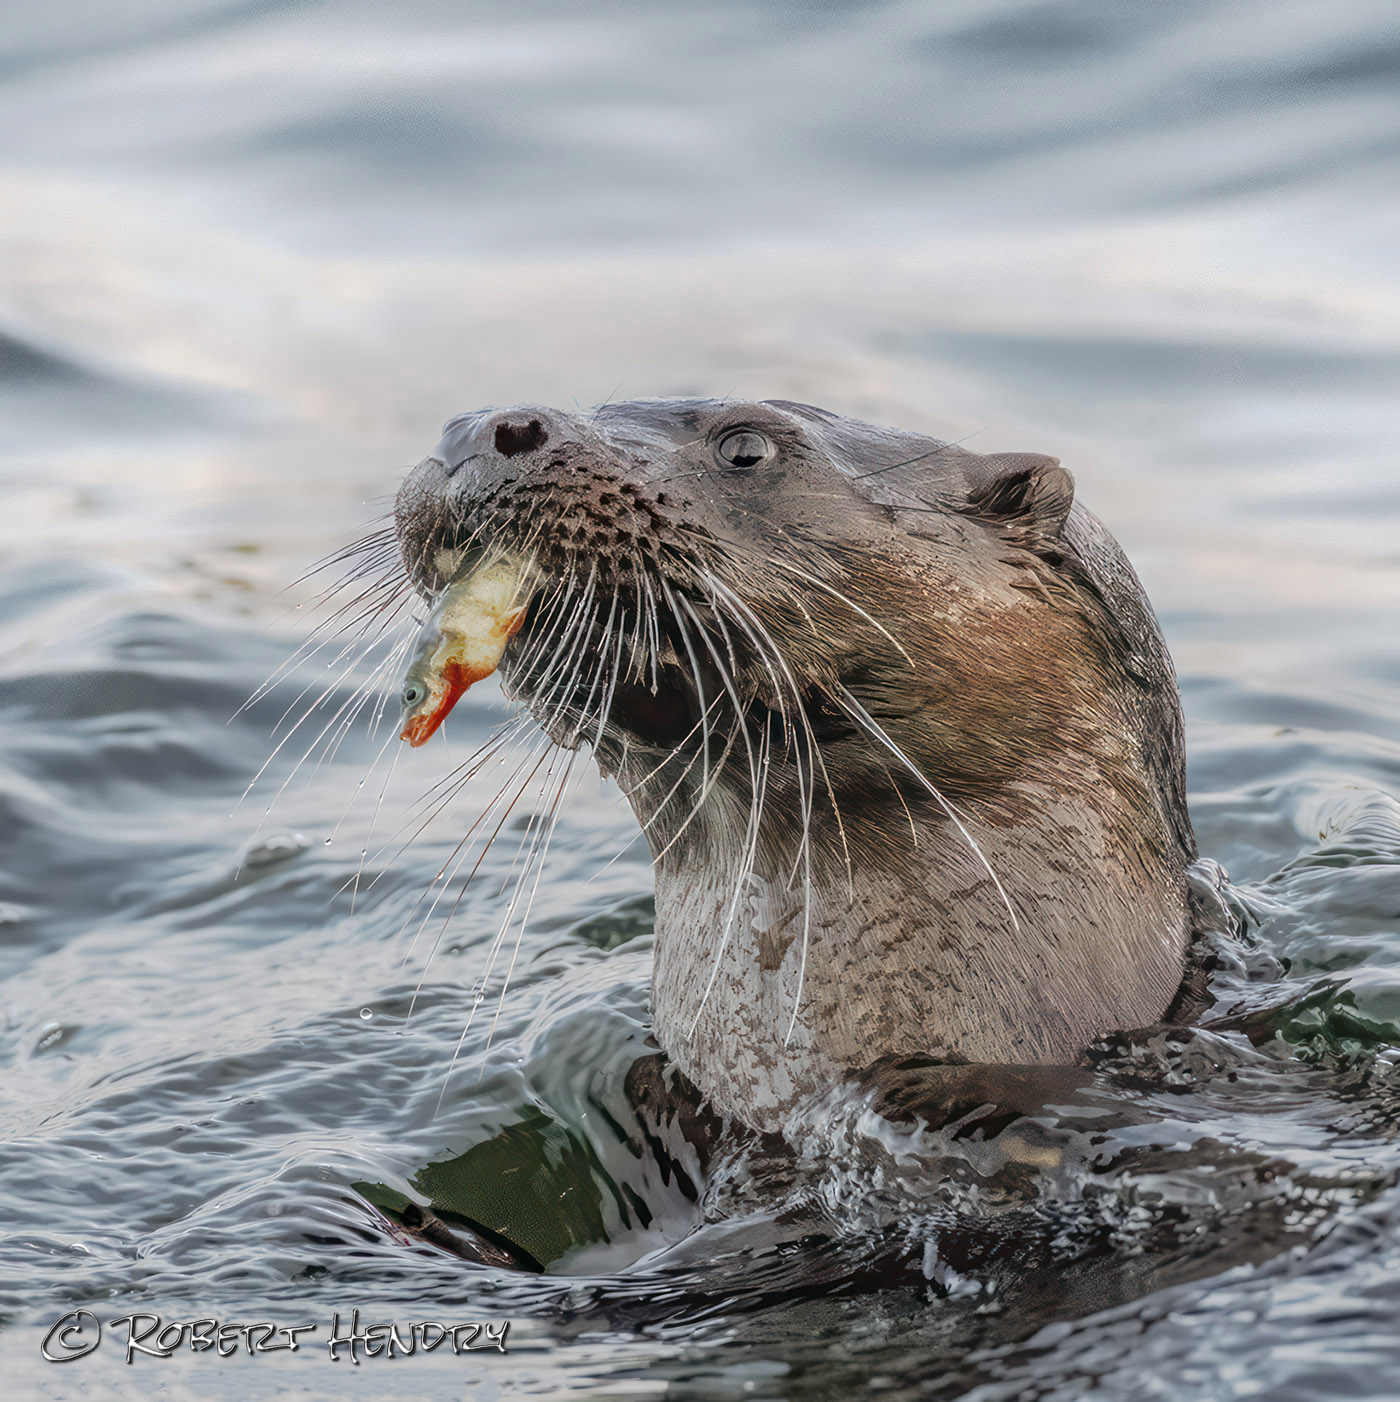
366, 1014
328, 842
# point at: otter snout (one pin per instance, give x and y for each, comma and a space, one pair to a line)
554, 483
494, 439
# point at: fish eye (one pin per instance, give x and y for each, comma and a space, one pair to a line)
412, 694
743, 447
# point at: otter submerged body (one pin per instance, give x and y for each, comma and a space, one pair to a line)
896, 718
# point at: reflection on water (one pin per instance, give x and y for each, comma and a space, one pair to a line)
255, 254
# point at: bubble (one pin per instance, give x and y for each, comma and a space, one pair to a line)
50, 1035
366, 1014
276, 847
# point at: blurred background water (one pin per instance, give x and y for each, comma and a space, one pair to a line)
254, 253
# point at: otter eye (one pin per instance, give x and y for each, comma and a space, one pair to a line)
743, 447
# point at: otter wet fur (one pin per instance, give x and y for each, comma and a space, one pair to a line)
896, 718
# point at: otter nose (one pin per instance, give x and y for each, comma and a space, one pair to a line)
491, 437
514, 436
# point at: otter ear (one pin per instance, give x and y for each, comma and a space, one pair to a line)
1028, 492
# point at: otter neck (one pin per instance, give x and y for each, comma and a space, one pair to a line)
909, 946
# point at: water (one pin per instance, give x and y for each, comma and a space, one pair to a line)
255, 254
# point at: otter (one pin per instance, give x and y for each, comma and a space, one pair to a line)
896, 718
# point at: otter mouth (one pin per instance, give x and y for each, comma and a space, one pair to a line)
662, 719
674, 690
618, 676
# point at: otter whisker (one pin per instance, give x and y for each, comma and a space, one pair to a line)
631, 796
779, 563
726, 680
369, 692
670, 757
500, 751
390, 581
529, 836
539, 848
758, 773
609, 695
373, 822
599, 671
362, 693
392, 605
461, 853
344, 714
909, 817
454, 776
546, 828
867, 722
540, 753
575, 637
558, 696
429, 805
379, 561
645, 645
451, 786
543, 643
383, 613
372, 552
383, 540
806, 850
347, 704
345, 812
704, 793
850, 603
697, 680
767, 648
745, 870
806, 796
764, 644
753, 629
922, 457
654, 625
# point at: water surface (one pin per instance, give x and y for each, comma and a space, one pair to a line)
254, 255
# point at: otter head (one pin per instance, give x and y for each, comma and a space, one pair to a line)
895, 717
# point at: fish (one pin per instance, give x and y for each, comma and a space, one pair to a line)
461, 642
